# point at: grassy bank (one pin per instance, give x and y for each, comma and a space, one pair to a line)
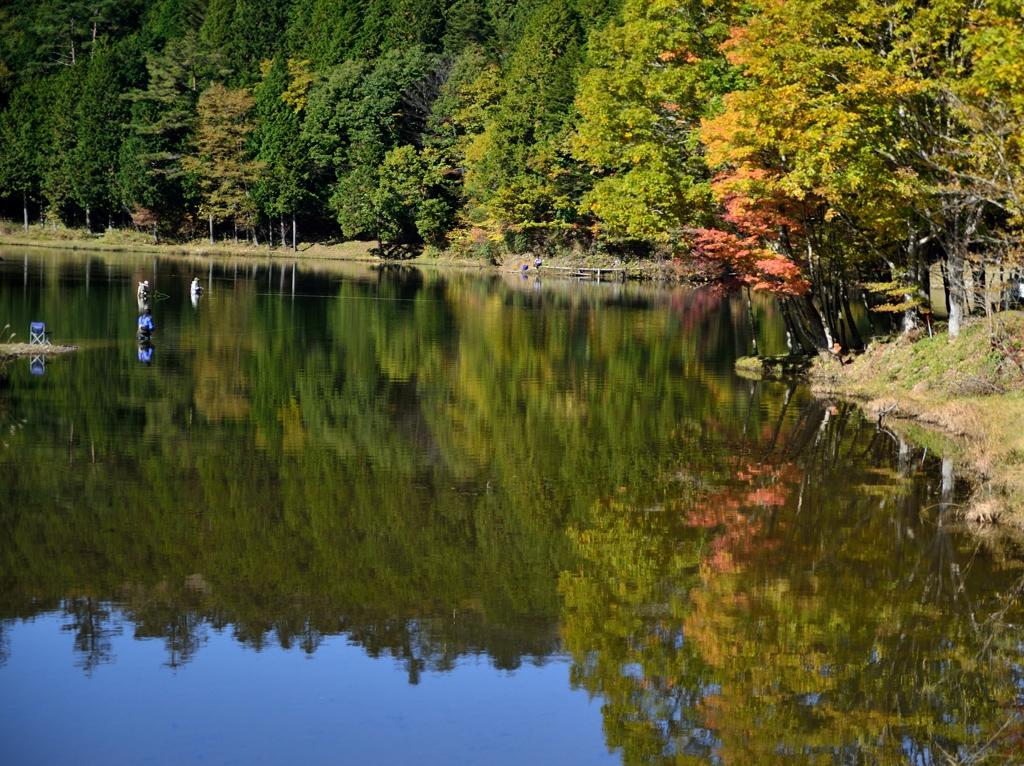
124, 240
963, 397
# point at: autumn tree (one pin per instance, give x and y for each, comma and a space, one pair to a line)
221, 162
653, 76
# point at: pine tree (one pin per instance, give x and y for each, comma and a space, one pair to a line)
60, 95
332, 33
20, 135
99, 119
280, 189
516, 157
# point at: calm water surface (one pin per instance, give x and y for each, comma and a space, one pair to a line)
407, 516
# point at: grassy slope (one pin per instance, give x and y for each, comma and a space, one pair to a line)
124, 240
971, 394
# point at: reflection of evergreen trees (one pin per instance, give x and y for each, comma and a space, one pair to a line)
393, 455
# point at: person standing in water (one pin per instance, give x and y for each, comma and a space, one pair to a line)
142, 337
146, 325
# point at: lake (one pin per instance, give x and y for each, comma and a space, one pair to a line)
341, 513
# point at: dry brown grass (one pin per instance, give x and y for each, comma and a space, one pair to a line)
126, 240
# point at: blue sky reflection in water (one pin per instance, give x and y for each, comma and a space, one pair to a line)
400, 515
279, 706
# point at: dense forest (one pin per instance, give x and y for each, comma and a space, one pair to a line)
797, 147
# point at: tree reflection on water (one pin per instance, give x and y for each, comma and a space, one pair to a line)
811, 604
435, 466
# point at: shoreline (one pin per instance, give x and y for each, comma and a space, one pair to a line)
355, 251
9, 350
960, 398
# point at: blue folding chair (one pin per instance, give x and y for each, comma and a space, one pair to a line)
37, 334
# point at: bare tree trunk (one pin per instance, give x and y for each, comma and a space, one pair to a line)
211, 228
792, 337
294, 232
867, 308
856, 341
235, 225
24, 199
156, 235
284, 241
955, 271
813, 323
753, 325
800, 334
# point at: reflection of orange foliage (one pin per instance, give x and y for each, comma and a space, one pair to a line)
761, 485
768, 496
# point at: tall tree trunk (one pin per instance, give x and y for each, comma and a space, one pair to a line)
753, 325
88, 223
235, 228
955, 272
156, 235
792, 338
294, 231
211, 228
24, 199
856, 341
803, 338
813, 323
284, 241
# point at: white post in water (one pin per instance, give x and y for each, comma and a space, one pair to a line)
946, 498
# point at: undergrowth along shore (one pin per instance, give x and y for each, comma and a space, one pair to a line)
122, 240
963, 397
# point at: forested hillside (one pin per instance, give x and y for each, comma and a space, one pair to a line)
793, 147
